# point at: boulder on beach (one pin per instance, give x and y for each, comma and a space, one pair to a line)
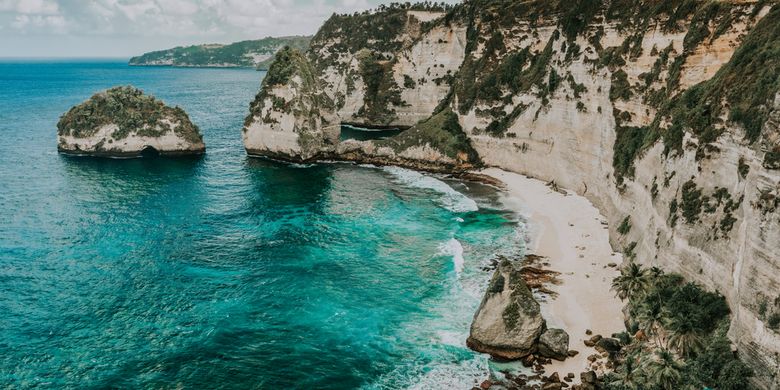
124, 122
509, 321
554, 344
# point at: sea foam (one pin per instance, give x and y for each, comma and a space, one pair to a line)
455, 249
450, 199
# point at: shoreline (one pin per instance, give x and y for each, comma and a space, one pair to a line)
568, 231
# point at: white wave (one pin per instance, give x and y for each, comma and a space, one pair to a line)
451, 200
302, 166
463, 375
455, 249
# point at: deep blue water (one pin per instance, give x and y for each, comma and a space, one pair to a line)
226, 271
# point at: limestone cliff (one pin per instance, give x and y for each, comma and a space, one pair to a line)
666, 115
123, 122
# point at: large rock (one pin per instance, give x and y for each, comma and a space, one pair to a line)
123, 122
508, 322
291, 118
554, 344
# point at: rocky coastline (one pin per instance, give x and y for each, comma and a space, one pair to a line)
625, 103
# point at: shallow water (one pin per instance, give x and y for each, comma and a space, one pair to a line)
226, 271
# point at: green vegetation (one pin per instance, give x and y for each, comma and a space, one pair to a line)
629, 141
742, 167
772, 159
376, 29
578, 16
625, 226
485, 80
680, 335
287, 62
620, 88
521, 300
691, 201
246, 54
746, 84
381, 90
291, 63
442, 132
131, 111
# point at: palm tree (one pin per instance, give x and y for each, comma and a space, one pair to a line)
664, 370
632, 282
655, 273
629, 376
651, 318
684, 336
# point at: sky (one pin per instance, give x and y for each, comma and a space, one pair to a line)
124, 28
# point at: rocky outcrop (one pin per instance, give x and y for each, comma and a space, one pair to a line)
554, 344
509, 321
123, 122
664, 111
353, 74
291, 118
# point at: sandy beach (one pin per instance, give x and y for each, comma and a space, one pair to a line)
569, 231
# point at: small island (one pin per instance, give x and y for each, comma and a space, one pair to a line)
124, 122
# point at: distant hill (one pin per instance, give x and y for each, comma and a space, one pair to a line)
245, 54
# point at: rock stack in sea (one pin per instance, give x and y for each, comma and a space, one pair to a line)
124, 122
509, 325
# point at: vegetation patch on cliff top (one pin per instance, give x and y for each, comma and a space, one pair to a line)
377, 29
291, 63
131, 111
442, 132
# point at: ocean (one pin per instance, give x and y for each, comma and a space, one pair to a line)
227, 271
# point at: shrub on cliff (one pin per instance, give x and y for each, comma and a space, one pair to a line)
442, 132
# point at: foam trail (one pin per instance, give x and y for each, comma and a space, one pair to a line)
455, 249
451, 200
463, 375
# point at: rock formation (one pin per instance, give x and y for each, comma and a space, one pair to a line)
509, 321
123, 122
554, 344
665, 111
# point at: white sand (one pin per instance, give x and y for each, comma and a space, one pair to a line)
568, 230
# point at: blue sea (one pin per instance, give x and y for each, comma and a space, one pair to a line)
227, 271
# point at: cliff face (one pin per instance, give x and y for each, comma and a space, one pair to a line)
123, 122
666, 115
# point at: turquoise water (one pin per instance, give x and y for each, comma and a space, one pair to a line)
226, 271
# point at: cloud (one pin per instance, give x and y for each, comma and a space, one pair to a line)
154, 24
53, 23
43, 7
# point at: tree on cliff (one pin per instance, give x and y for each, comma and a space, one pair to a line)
633, 281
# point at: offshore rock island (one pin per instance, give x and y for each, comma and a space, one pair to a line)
664, 115
124, 122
